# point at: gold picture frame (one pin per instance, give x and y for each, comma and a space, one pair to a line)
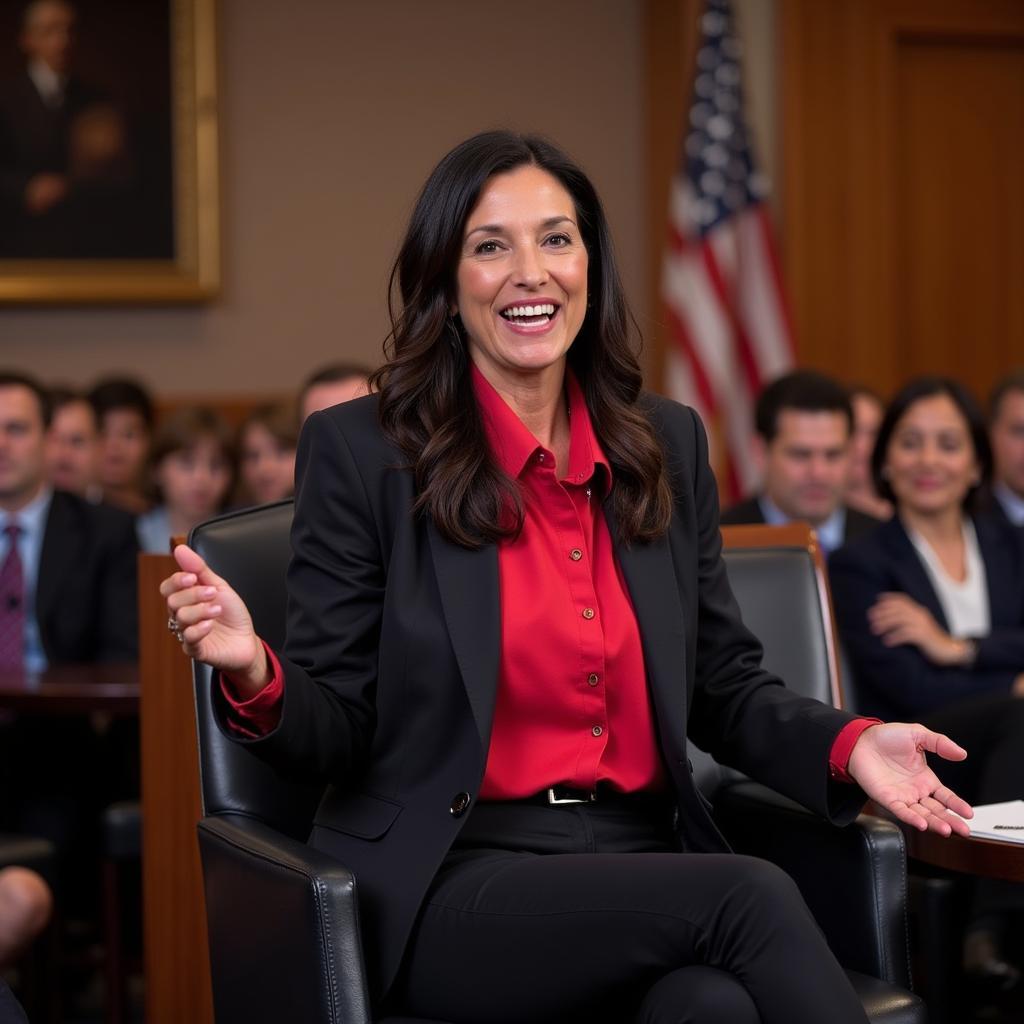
187, 270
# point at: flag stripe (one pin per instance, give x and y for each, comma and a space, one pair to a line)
721, 281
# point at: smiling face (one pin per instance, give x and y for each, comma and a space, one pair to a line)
521, 285
930, 461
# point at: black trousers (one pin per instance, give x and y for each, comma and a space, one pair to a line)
992, 731
591, 912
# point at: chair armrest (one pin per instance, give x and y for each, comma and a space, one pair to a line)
284, 930
854, 879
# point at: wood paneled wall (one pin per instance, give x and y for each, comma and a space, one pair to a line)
903, 157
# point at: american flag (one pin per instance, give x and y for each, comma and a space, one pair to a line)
721, 284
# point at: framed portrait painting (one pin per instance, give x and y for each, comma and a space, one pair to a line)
108, 152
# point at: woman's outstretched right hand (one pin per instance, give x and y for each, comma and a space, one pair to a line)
215, 625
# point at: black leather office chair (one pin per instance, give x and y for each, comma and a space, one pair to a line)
853, 879
282, 917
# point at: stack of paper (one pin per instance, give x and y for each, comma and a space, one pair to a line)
999, 821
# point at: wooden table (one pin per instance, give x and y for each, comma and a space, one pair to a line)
174, 906
971, 855
73, 689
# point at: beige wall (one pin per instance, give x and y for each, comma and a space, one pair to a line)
332, 114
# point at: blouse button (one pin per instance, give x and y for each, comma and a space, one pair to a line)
588, 613
575, 554
597, 730
593, 679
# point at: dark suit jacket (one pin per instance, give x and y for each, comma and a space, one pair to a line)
749, 511
392, 656
86, 591
900, 682
989, 505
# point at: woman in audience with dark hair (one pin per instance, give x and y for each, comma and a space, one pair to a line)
192, 465
930, 607
506, 599
266, 454
126, 417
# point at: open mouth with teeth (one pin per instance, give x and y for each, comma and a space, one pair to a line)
539, 315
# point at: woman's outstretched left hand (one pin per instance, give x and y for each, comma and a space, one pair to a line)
888, 763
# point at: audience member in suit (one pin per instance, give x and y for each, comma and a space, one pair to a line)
26, 905
1006, 430
868, 410
68, 582
930, 608
126, 417
192, 466
267, 440
804, 423
506, 593
331, 385
73, 445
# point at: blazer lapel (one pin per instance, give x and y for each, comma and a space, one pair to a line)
649, 575
1001, 563
917, 582
468, 583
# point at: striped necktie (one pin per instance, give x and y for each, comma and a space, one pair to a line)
12, 604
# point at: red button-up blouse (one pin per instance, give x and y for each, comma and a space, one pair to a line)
572, 705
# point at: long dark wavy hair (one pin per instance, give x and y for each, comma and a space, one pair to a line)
427, 407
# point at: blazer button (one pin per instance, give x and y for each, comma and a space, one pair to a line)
460, 802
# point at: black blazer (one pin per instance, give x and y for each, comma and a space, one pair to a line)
392, 655
86, 592
900, 682
749, 511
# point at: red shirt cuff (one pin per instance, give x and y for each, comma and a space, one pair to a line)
842, 747
258, 715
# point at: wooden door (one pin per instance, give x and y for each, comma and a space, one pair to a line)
903, 186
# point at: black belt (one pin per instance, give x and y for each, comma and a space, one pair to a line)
564, 795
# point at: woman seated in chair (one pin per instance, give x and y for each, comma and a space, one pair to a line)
930, 607
507, 607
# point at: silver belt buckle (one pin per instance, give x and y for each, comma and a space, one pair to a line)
552, 799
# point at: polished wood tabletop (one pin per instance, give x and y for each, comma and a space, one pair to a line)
72, 689
972, 855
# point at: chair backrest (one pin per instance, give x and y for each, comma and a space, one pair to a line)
777, 574
251, 549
